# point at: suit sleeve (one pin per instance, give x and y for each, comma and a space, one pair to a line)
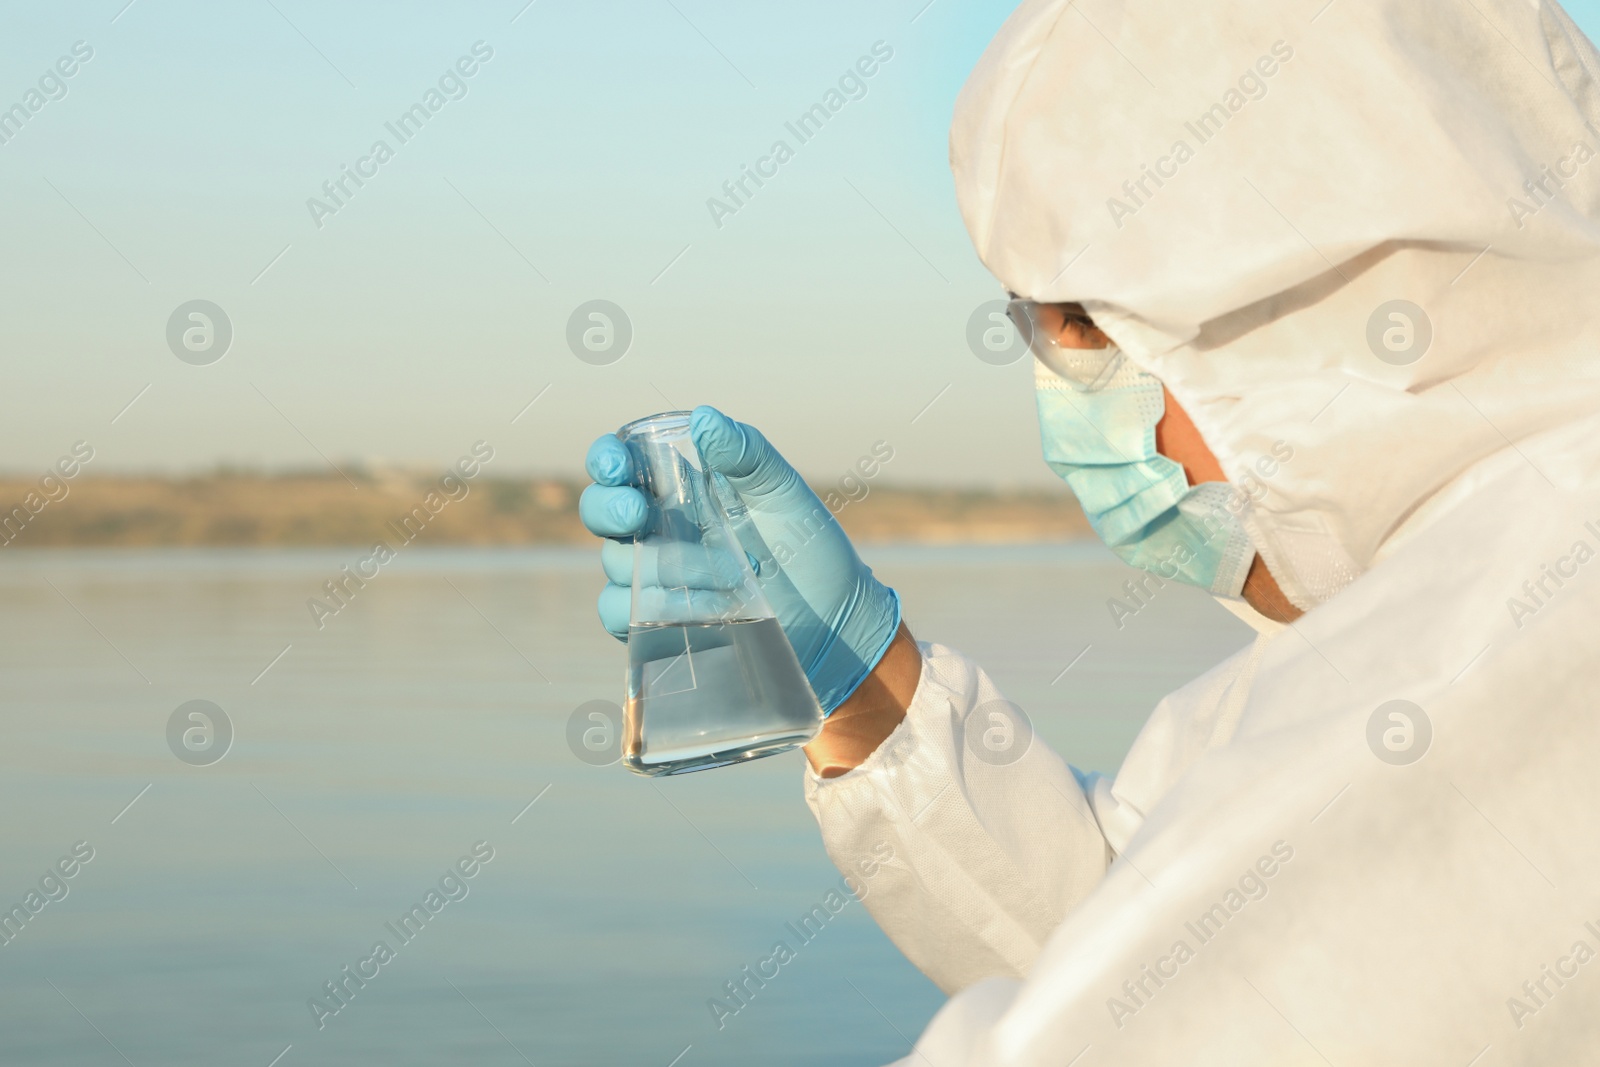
969, 838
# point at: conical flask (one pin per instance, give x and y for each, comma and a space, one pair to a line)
712, 679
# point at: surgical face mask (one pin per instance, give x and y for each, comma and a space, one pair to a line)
1097, 418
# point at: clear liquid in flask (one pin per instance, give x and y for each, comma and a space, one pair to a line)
705, 694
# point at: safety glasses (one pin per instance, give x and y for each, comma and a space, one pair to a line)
1041, 326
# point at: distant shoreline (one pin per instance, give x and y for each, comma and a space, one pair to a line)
234, 510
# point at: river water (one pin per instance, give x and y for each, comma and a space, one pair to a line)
421, 734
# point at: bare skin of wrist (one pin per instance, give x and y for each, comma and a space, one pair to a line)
862, 723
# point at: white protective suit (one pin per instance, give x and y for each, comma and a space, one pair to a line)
1267, 881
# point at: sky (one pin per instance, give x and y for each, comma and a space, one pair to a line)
405, 318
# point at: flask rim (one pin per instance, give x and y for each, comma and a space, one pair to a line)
663, 425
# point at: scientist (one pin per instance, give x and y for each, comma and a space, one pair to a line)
1364, 232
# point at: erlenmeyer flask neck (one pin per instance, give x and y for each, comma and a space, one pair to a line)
663, 433
688, 564
667, 462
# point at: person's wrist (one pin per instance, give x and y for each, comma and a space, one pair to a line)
870, 714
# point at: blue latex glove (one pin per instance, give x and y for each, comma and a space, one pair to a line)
839, 618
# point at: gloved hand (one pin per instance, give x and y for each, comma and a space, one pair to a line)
839, 618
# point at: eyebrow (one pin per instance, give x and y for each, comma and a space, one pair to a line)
1075, 313
1070, 311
